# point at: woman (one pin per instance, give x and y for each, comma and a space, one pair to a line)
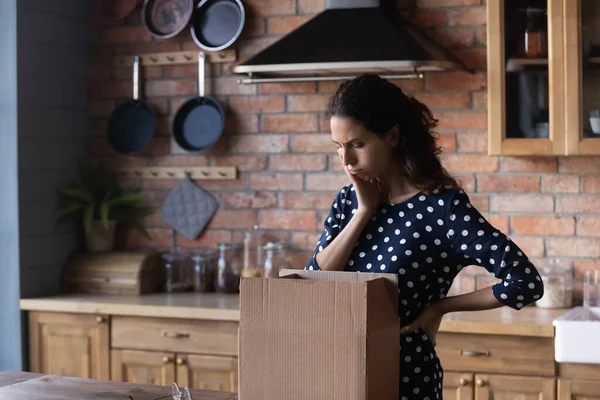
404, 214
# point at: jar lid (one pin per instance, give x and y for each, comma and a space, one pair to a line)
229, 246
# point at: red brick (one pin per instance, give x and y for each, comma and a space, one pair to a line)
112, 90
241, 123
529, 164
146, 72
232, 219
481, 35
293, 87
123, 161
160, 107
481, 203
181, 161
168, 184
124, 34
99, 127
250, 200
454, 37
578, 204
300, 258
242, 163
253, 104
272, 7
447, 142
254, 26
164, 238
531, 246
472, 142
500, 222
545, 226
591, 184
462, 121
191, 71
480, 100
288, 219
259, 144
311, 6
522, 203
475, 59
249, 47
284, 25
218, 148
170, 88
444, 100
100, 71
457, 80
447, 3
461, 163
409, 86
313, 143
101, 109
299, 201
228, 85
298, 162
560, 183
306, 240
585, 265
152, 46
467, 16
334, 163
429, 18
308, 102
574, 247
290, 123
332, 182
284, 181
324, 123
579, 165
588, 226
508, 183
466, 181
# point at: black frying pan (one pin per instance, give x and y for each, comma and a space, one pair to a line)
216, 24
199, 122
132, 124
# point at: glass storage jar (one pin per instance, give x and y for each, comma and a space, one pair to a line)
558, 286
229, 268
203, 271
276, 259
533, 35
176, 266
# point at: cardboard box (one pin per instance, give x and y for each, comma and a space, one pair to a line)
312, 335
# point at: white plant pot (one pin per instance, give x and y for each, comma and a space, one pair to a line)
100, 238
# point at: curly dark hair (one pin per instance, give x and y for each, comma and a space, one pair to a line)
379, 105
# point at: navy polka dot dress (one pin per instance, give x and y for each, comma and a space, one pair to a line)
427, 240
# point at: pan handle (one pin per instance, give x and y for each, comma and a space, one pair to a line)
201, 72
136, 77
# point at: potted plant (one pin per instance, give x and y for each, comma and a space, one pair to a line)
100, 203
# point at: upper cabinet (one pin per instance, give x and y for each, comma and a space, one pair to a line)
543, 74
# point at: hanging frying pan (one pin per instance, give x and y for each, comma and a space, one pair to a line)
132, 124
199, 122
165, 19
116, 9
216, 24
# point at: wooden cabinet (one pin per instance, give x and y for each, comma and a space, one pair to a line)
578, 389
69, 344
472, 386
540, 101
208, 372
144, 367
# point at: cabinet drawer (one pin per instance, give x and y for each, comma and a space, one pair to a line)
189, 336
491, 353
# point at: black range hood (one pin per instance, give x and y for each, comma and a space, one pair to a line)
349, 38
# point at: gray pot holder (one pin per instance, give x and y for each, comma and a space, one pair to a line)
188, 208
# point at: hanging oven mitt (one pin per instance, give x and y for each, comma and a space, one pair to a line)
188, 208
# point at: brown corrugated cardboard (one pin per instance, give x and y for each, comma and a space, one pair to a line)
314, 335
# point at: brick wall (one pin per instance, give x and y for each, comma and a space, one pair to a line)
277, 137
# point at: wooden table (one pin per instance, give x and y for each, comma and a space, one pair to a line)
29, 386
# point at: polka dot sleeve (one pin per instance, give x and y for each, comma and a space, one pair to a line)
477, 242
333, 226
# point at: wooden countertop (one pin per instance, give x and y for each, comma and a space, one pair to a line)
530, 321
25, 385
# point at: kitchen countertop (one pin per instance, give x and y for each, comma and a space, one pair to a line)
26, 385
530, 321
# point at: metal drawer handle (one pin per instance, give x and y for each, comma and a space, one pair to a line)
470, 353
176, 335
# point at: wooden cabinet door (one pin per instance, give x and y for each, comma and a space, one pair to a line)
458, 386
578, 389
526, 113
138, 366
208, 372
505, 387
69, 344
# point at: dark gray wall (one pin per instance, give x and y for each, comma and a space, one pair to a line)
52, 89
10, 322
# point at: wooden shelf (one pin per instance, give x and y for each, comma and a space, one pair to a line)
196, 173
176, 57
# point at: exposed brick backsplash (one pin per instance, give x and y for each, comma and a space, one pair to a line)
277, 137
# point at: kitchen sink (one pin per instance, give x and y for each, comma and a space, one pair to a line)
577, 336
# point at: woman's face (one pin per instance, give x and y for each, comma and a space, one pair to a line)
365, 154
